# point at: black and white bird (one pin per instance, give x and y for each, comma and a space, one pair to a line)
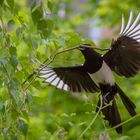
96, 74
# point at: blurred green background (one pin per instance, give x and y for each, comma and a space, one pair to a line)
33, 30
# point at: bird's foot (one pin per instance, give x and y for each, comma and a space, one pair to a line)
104, 97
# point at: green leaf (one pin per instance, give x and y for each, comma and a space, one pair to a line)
11, 4
15, 94
14, 137
50, 24
1, 72
36, 84
40, 100
1, 105
45, 27
88, 41
0, 30
3, 61
15, 83
29, 99
14, 114
19, 32
50, 5
37, 14
73, 39
8, 40
11, 24
1, 2
25, 115
34, 43
14, 61
27, 39
42, 24
23, 127
13, 51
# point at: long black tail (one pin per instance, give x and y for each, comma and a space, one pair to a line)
130, 106
110, 110
111, 113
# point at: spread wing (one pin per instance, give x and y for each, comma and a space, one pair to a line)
73, 79
124, 56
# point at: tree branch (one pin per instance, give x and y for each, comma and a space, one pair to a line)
124, 122
53, 57
93, 120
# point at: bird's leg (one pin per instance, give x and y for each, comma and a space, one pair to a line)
104, 96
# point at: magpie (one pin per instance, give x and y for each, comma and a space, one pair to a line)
96, 73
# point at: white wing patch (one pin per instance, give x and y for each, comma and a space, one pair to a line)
54, 83
132, 29
60, 84
65, 87
52, 78
104, 75
47, 75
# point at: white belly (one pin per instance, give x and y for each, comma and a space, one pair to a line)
104, 75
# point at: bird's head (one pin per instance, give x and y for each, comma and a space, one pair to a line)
88, 51
85, 48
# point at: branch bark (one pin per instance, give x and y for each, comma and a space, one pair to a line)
53, 57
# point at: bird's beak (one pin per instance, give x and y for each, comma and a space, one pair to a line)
84, 46
81, 48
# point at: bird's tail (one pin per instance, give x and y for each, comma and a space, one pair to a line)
130, 106
111, 113
110, 110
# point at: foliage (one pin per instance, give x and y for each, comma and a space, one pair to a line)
30, 32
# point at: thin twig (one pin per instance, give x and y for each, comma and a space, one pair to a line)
53, 57
3, 27
29, 77
6, 72
93, 120
44, 65
124, 122
30, 83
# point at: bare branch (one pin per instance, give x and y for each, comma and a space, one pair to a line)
53, 57
124, 122
93, 120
